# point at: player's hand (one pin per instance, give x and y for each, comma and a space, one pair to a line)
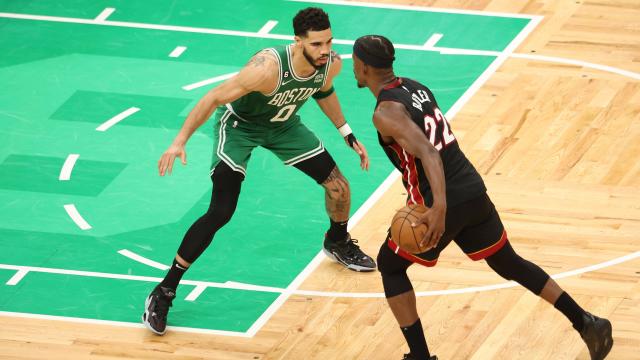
434, 219
166, 160
362, 152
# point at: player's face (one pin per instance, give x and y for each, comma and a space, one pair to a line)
316, 47
358, 71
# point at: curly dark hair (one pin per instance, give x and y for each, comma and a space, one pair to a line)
310, 19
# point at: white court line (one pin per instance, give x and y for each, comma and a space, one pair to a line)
493, 67
67, 167
189, 29
177, 51
193, 295
15, 279
417, 8
104, 14
268, 27
120, 323
208, 81
285, 292
76, 217
433, 40
290, 291
116, 119
135, 25
141, 259
536, 57
606, 68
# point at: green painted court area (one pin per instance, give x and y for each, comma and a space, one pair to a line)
64, 75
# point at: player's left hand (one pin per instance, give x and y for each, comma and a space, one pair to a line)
361, 151
434, 219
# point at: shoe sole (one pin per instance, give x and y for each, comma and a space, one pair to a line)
145, 315
353, 267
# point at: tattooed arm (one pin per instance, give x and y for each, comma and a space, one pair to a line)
259, 74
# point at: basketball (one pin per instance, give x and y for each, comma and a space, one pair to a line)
403, 234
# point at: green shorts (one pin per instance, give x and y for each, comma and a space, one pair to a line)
235, 139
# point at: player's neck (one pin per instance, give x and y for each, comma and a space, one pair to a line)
378, 84
300, 64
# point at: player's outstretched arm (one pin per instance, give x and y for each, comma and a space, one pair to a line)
330, 106
392, 121
259, 74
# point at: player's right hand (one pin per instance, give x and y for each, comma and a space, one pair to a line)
166, 160
434, 219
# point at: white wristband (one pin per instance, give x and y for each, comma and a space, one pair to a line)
345, 130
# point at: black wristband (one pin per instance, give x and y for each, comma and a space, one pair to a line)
351, 139
319, 95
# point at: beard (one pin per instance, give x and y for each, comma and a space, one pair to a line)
312, 61
360, 85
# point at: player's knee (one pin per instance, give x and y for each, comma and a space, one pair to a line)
504, 261
219, 216
389, 263
393, 269
512, 266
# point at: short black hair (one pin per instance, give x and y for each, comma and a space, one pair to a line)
375, 50
310, 19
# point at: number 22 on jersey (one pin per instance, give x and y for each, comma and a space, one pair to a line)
431, 126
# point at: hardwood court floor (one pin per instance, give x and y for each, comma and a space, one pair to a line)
558, 146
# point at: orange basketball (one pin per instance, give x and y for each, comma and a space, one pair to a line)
403, 234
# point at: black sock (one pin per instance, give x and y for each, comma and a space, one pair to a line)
174, 275
337, 230
417, 343
571, 310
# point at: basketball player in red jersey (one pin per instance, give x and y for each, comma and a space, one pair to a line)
419, 142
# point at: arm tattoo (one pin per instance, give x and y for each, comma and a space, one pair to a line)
257, 61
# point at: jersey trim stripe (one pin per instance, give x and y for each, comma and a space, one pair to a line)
393, 84
305, 156
489, 250
230, 108
279, 72
220, 150
415, 181
408, 256
326, 69
409, 174
293, 71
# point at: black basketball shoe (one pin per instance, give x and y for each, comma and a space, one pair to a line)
410, 357
596, 333
156, 308
348, 253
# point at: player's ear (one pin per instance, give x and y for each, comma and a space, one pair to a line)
298, 40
